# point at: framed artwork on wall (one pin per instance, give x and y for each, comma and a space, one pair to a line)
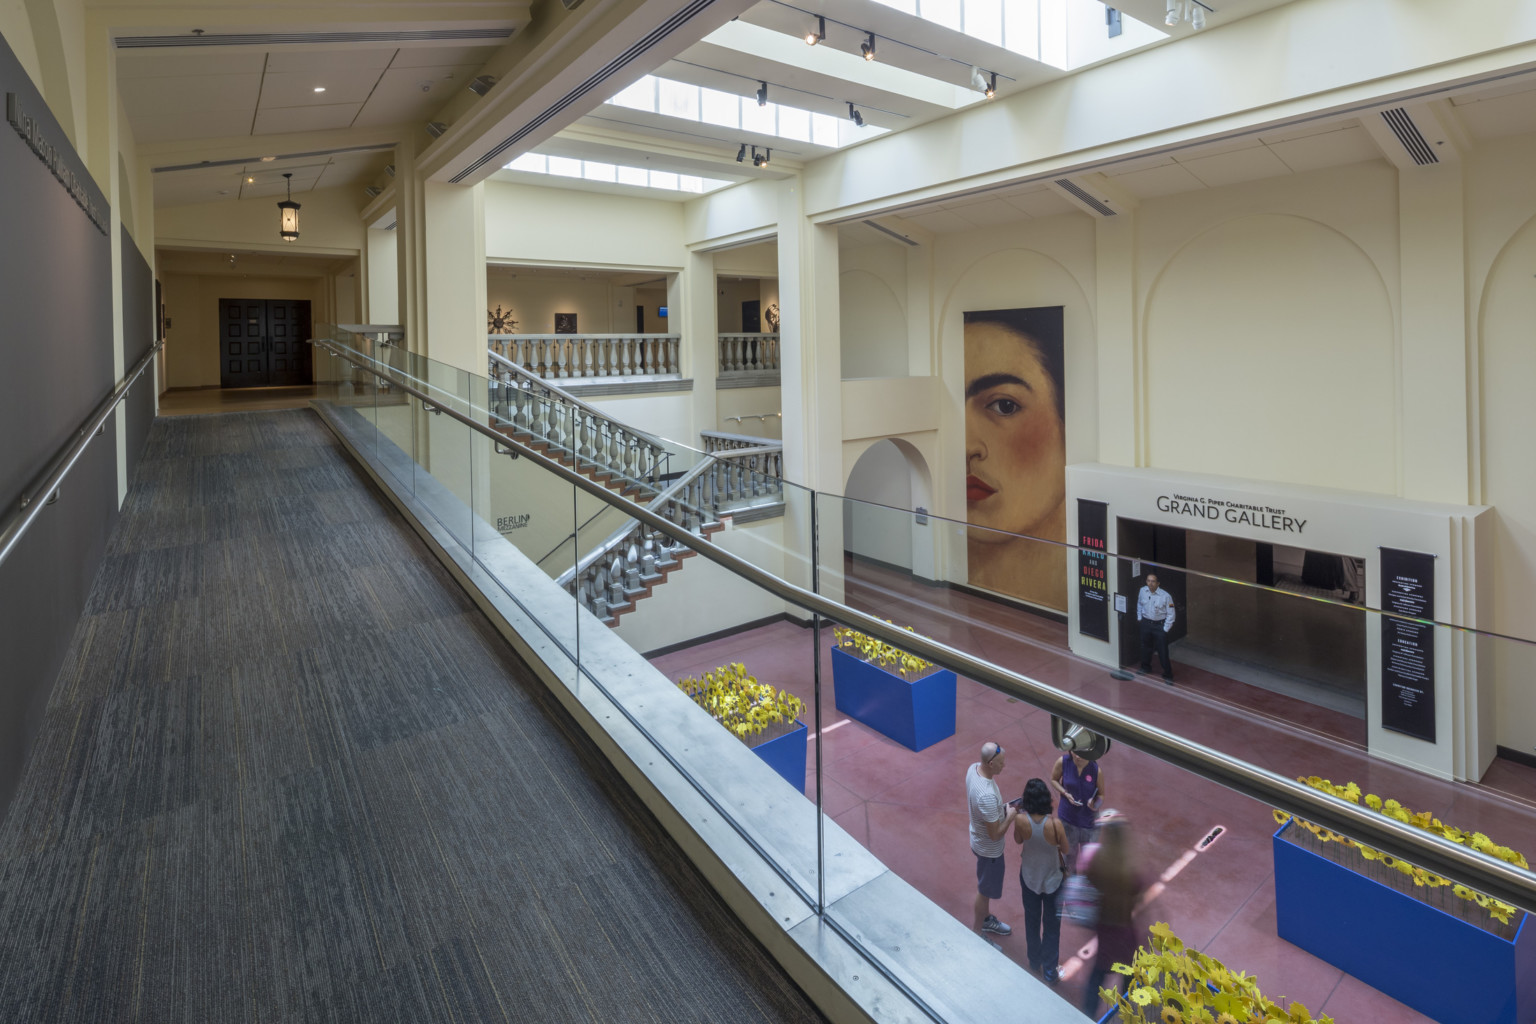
565, 323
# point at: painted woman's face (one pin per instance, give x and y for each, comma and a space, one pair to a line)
1014, 441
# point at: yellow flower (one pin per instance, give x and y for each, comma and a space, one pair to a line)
1373, 801
1225, 1018
1142, 995
1171, 1015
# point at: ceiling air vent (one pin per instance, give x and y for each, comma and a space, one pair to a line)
1409, 135
453, 35
1069, 186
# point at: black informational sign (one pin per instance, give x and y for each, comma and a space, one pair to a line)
1092, 569
1408, 648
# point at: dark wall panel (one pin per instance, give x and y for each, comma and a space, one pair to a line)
56, 291
138, 338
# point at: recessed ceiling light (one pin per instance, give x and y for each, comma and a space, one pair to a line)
268, 159
250, 181
319, 88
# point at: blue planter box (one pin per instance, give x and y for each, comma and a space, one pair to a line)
916, 714
786, 755
1446, 968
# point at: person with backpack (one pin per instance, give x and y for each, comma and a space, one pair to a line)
1042, 868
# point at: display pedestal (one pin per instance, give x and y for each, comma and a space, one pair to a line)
786, 755
1446, 968
916, 714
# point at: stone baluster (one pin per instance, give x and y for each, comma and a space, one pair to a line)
632, 563
616, 596
648, 553
586, 357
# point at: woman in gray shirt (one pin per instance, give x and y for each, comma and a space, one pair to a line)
1042, 867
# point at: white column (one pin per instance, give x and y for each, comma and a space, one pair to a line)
410, 248
812, 384
695, 316
383, 295
1435, 413
455, 275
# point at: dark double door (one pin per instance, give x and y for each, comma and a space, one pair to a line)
263, 342
1165, 546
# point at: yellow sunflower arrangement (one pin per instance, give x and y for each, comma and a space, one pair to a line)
754, 711
1169, 983
1406, 872
876, 652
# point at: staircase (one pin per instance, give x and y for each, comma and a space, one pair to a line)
736, 476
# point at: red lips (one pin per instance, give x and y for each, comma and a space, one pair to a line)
976, 489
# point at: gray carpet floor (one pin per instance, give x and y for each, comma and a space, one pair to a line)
289, 773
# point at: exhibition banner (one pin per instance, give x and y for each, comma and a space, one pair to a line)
1092, 569
1015, 454
1408, 648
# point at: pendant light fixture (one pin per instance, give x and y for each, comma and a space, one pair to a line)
288, 211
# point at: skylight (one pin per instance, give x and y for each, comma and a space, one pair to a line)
613, 174
1065, 34
728, 110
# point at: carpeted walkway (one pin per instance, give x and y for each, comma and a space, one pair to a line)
289, 773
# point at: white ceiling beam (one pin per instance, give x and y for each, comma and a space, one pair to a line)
135, 18
554, 78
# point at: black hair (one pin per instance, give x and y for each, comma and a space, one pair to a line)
1045, 329
1037, 797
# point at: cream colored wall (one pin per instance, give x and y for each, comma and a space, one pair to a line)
328, 224
534, 224
383, 306
754, 402
1501, 255
873, 283
599, 307
16, 28
192, 304
1269, 329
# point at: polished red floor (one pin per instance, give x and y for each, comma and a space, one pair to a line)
909, 808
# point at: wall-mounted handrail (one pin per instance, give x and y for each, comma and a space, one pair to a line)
34, 498
1480, 871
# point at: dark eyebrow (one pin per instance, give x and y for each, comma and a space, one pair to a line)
992, 380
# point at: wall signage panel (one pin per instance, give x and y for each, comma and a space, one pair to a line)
1408, 648
1092, 569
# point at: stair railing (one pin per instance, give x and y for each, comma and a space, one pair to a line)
636, 556
570, 427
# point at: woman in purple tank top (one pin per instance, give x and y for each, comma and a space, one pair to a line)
1079, 783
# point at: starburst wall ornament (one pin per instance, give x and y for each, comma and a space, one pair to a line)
501, 322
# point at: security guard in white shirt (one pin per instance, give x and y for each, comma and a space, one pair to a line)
1154, 612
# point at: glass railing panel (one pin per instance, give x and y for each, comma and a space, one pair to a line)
444, 468
719, 647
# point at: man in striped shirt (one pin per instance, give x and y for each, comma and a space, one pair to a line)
990, 821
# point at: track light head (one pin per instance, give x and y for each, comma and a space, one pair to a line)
762, 94
854, 115
1174, 12
436, 129
978, 80
992, 86
868, 47
1197, 17
741, 154
481, 84
812, 38
371, 191
767, 154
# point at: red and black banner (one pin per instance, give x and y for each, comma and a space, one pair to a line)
1092, 569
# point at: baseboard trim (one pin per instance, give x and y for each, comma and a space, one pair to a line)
964, 588
1517, 756
719, 634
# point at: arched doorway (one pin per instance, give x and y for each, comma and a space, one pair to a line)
886, 485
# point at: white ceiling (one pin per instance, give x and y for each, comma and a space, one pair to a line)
182, 95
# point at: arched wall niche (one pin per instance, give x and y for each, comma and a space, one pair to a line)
1506, 323
873, 324
889, 478
1270, 353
